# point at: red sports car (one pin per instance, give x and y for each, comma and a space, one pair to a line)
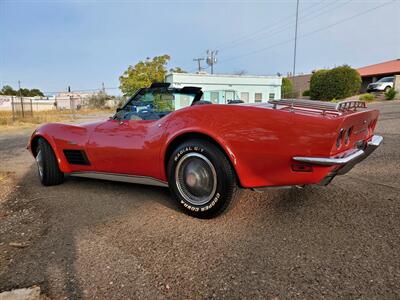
205, 152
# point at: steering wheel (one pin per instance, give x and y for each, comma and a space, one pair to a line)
148, 114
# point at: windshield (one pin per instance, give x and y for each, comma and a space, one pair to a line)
386, 79
153, 104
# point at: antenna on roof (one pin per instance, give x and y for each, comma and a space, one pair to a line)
212, 59
295, 48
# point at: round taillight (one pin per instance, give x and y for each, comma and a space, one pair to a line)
347, 135
339, 138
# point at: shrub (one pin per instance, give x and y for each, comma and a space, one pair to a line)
306, 93
97, 101
390, 94
367, 97
338, 83
287, 88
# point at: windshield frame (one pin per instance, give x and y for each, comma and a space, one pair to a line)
194, 92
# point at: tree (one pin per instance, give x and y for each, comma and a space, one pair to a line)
338, 83
8, 91
143, 74
98, 100
36, 92
286, 88
177, 70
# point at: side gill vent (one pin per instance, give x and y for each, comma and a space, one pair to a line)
76, 157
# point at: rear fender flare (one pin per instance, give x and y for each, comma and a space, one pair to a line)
196, 133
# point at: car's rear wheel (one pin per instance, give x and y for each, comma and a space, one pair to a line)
47, 166
201, 178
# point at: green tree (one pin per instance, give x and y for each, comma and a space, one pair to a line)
8, 91
143, 74
177, 70
286, 88
24, 92
36, 92
337, 83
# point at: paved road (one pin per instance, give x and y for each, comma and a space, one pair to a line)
105, 240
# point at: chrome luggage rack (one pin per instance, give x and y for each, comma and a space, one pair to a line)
325, 107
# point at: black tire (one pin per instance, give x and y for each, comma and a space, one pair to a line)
387, 89
48, 170
201, 178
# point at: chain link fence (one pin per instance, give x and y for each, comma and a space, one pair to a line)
27, 107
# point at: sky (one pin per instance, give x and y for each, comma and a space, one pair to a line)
51, 45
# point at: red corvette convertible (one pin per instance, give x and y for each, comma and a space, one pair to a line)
205, 152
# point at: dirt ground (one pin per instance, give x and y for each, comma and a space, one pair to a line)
105, 240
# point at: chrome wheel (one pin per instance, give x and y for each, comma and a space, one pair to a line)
39, 162
196, 178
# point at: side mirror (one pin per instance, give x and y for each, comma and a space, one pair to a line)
119, 109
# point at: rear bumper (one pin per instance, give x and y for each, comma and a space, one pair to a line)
344, 163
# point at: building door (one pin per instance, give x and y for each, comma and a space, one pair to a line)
229, 95
244, 96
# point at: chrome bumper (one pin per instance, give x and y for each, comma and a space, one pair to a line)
345, 163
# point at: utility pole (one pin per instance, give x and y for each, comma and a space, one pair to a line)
212, 59
20, 98
103, 89
198, 62
295, 48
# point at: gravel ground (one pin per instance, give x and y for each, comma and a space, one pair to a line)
106, 240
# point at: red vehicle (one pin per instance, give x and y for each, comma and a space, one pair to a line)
205, 152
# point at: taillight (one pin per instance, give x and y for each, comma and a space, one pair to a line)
347, 135
371, 125
339, 138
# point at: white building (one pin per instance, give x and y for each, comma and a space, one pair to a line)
219, 88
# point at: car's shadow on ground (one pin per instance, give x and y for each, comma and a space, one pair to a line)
161, 195
53, 216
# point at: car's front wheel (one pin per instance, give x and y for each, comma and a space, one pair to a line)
201, 178
47, 166
387, 89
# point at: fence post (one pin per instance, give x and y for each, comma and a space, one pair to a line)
72, 104
22, 107
31, 109
12, 107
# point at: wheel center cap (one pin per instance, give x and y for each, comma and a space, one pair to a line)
191, 180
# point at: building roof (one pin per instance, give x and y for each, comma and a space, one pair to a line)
203, 74
221, 79
385, 68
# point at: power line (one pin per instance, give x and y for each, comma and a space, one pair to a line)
261, 29
305, 18
199, 59
266, 29
309, 33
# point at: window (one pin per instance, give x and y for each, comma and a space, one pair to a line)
153, 104
271, 96
244, 96
214, 97
257, 97
184, 100
229, 95
386, 79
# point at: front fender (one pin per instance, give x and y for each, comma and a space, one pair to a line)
60, 136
